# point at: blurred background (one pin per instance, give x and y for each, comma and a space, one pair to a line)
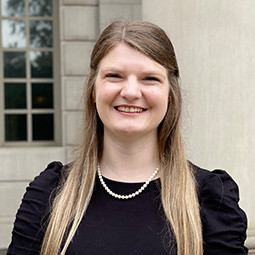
44, 56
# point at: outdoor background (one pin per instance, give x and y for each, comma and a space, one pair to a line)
44, 52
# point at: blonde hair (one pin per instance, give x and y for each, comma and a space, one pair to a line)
178, 186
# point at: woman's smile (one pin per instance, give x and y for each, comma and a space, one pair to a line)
130, 109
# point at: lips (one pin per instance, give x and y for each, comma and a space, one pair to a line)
130, 109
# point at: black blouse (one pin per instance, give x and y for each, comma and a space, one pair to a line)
135, 226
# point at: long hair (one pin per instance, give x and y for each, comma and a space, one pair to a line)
178, 186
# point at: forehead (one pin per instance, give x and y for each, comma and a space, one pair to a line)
124, 56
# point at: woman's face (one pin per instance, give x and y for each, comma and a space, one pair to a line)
131, 92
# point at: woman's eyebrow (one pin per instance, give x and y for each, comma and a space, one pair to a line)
111, 69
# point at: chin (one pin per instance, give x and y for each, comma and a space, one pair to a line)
129, 130
134, 132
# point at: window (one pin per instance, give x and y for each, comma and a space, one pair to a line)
28, 72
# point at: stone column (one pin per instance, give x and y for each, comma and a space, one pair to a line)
110, 10
79, 21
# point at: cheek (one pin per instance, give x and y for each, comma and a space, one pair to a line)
158, 99
104, 97
105, 94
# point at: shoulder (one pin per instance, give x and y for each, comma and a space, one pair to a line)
31, 217
214, 181
48, 177
224, 222
216, 185
44, 184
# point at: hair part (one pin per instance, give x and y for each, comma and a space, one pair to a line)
178, 186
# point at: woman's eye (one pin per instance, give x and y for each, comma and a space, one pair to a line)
151, 78
112, 75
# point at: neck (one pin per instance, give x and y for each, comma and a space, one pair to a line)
129, 160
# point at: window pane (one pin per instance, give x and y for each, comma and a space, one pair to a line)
42, 95
41, 64
14, 65
43, 127
15, 127
40, 8
15, 95
40, 34
13, 34
13, 7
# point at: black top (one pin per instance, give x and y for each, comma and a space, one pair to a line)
135, 226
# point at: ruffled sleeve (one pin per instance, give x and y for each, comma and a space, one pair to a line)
224, 223
28, 231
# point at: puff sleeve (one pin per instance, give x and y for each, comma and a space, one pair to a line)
224, 223
28, 230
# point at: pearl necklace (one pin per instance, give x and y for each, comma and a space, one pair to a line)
134, 194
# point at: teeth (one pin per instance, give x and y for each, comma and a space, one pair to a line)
129, 109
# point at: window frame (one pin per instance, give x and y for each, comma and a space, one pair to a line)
55, 80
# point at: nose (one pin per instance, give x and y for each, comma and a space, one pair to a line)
131, 89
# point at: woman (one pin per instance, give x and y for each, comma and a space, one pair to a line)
131, 190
